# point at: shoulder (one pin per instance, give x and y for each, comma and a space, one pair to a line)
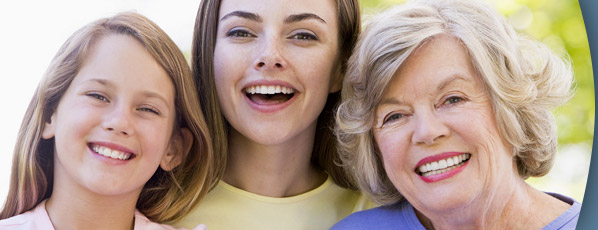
21, 221
143, 223
567, 220
36, 218
400, 215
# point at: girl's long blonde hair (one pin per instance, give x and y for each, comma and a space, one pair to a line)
167, 196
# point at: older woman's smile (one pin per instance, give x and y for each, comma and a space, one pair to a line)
441, 166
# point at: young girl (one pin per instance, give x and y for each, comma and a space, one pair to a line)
113, 137
270, 72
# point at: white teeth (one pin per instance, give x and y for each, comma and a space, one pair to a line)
268, 89
449, 162
443, 165
434, 165
114, 154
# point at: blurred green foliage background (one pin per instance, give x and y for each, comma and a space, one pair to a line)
559, 25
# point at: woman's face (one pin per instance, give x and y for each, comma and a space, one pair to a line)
436, 130
275, 62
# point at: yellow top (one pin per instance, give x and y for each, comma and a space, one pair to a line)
228, 207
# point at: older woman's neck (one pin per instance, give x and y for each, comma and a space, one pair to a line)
281, 170
517, 205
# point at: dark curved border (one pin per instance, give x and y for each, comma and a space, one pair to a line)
588, 219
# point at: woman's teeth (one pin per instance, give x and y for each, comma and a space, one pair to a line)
268, 89
114, 154
443, 165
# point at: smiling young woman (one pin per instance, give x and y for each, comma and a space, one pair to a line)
274, 69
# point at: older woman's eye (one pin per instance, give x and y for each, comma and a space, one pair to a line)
393, 117
304, 36
239, 33
453, 100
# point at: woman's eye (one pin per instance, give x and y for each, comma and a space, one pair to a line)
393, 117
97, 96
147, 109
453, 100
240, 33
304, 36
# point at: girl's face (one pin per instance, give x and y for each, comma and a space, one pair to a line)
275, 62
113, 125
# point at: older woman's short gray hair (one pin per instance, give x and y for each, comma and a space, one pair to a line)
525, 80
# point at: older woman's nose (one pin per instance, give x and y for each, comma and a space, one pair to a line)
270, 57
118, 121
429, 129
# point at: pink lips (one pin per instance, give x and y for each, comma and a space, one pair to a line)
444, 175
114, 147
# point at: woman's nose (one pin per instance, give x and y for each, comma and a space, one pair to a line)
429, 129
271, 56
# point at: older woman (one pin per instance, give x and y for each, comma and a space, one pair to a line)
446, 106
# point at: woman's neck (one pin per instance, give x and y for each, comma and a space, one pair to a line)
281, 170
72, 207
518, 206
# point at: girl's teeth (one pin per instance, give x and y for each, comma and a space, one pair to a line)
114, 154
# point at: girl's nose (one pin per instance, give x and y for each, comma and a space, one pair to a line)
118, 121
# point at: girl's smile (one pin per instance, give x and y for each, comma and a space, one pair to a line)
116, 118
111, 151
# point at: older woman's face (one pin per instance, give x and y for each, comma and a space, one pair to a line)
436, 130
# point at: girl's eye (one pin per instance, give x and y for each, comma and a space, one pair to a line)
240, 33
147, 109
392, 117
97, 96
304, 36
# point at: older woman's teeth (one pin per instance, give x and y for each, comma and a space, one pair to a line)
443, 165
111, 153
268, 89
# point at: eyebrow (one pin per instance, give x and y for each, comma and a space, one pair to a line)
454, 77
443, 84
290, 19
243, 14
303, 16
147, 94
100, 81
387, 101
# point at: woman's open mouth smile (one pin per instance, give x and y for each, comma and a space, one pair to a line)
269, 98
441, 166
